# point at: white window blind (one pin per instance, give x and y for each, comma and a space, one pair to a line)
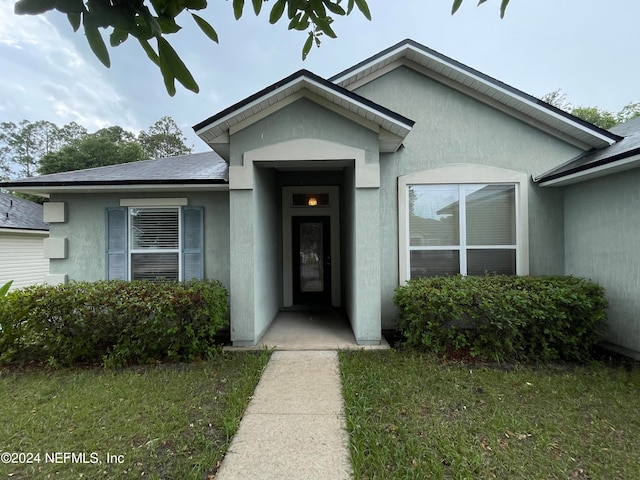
468, 229
155, 243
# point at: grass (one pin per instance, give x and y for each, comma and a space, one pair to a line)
410, 416
170, 421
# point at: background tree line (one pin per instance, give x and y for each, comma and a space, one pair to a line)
598, 116
41, 147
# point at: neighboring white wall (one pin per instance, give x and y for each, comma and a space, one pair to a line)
22, 258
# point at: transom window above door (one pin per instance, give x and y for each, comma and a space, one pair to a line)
468, 229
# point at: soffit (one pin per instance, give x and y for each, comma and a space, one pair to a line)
498, 94
391, 127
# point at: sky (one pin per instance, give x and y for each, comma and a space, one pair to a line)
588, 48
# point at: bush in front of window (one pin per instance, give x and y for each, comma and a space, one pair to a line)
113, 323
500, 317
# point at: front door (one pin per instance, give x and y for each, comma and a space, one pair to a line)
311, 260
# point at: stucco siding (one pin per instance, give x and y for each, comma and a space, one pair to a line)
453, 128
602, 240
86, 235
303, 119
22, 259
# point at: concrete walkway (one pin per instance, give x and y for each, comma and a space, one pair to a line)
294, 427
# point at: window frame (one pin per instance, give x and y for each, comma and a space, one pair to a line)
132, 251
459, 175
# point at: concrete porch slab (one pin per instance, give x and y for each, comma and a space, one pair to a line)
310, 330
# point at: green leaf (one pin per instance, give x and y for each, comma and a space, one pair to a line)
33, 7
324, 24
118, 37
457, 3
206, 27
503, 7
70, 6
5, 288
172, 67
277, 11
364, 8
334, 8
153, 56
238, 6
168, 24
350, 6
75, 19
318, 7
97, 45
195, 4
299, 22
307, 46
257, 6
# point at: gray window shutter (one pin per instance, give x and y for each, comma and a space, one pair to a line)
193, 243
117, 243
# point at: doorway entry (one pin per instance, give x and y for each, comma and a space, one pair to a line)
310, 246
311, 260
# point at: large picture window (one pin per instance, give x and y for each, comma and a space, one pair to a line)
468, 229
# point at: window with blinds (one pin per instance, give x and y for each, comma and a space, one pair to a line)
154, 243
468, 229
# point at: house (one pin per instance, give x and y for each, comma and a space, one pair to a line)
333, 191
22, 238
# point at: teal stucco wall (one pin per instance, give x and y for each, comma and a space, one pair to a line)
453, 128
86, 235
602, 241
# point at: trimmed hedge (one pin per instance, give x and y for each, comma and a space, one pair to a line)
114, 323
503, 317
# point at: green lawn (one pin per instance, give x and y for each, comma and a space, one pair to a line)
170, 421
409, 416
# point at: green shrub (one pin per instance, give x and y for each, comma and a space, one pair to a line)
115, 323
503, 317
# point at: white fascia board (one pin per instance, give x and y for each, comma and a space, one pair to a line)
24, 231
596, 172
490, 85
294, 87
47, 190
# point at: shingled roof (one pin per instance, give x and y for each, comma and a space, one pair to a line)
20, 214
622, 155
206, 168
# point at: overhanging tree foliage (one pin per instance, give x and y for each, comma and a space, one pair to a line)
151, 21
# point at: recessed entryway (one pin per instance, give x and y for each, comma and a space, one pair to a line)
311, 246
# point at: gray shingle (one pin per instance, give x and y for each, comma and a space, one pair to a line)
207, 167
18, 213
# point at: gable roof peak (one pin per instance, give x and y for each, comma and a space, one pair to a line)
479, 85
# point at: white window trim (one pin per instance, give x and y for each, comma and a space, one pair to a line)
465, 173
132, 250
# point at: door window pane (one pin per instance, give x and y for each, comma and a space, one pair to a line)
311, 257
434, 215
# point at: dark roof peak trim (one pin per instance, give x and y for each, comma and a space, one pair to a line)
302, 74
412, 44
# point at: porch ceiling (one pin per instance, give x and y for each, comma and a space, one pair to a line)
391, 127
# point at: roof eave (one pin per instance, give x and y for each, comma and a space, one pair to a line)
600, 168
216, 130
584, 132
